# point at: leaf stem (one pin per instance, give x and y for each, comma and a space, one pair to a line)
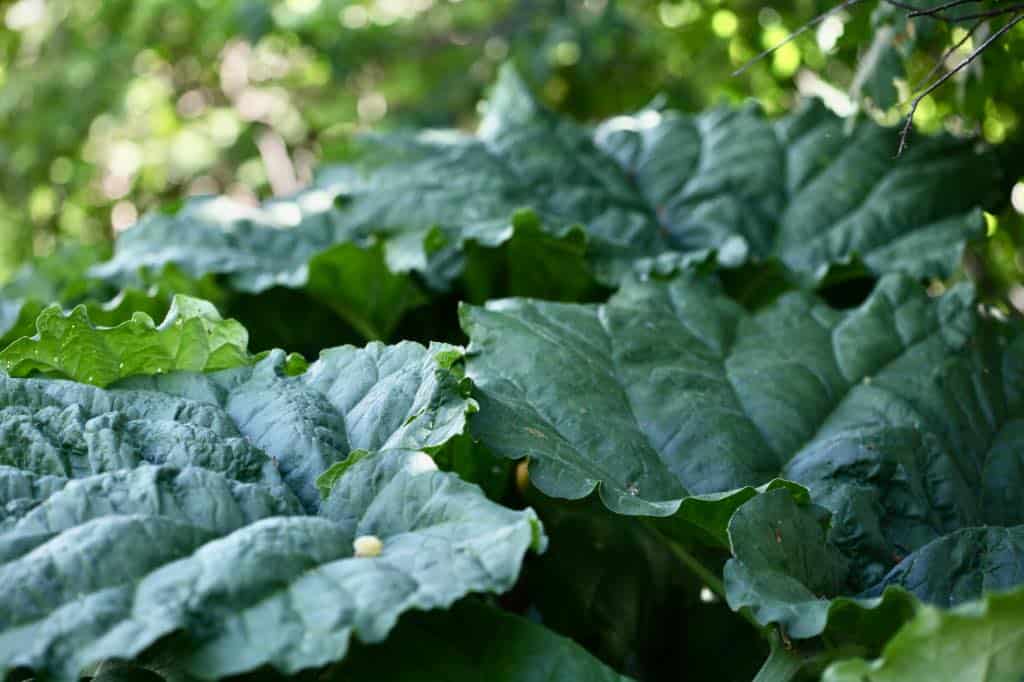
782, 665
710, 578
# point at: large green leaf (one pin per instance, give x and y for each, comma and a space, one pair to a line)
154, 302
653, 191
59, 277
357, 285
62, 275
62, 278
469, 643
582, 388
367, 399
193, 336
808, 188
259, 247
296, 243
17, 319
901, 417
981, 641
180, 503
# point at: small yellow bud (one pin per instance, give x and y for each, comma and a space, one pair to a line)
523, 475
367, 546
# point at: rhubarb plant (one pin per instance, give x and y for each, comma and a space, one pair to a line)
667, 395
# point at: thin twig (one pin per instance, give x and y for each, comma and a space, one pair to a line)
941, 62
934, 12
929, 13
949, 74
1009, 9
902, 5
940, 8
803, 29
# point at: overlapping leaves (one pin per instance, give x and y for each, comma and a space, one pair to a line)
901, 417
185, 503
469, 642
982, 640
60, 277
653, 191
61, 280
852, 462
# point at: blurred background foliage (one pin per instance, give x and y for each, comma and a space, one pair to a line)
111, 108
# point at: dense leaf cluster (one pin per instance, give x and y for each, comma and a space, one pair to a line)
745, 341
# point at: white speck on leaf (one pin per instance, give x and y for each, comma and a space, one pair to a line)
420, 463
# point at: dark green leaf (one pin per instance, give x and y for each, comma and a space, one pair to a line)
469, 643
613, 585
900, 417
652, 192
806, 189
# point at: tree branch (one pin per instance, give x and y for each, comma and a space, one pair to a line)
941, 61
949, 74
934, 12
940, 8
1009, 9
803, 29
